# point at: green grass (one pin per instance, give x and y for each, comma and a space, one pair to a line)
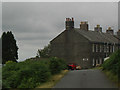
111, 76
0, 77
97, 68
53, 80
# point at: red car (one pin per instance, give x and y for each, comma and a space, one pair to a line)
73, 66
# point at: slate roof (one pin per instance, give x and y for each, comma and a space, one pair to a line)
95, 36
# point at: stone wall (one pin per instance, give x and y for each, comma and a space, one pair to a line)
72, 47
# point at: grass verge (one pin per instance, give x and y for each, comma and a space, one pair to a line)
53, 80
94, 68
112, 77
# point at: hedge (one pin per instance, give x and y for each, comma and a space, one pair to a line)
56, 65
113, 63
30, 73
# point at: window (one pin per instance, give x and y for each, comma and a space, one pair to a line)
107, 48
104, 48
93, 62
100, 48
113, 48
96, 48
100, 61
93, 48
87, 59
96, 61
119, 46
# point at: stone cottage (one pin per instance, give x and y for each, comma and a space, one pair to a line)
83, 46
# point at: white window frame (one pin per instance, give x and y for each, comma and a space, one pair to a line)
107, 48
96, 61
110, 48
96, 48
113, 48
100, 61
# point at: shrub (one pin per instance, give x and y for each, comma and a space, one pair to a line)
27, 74
56, 65
30, 73
113, 63
41, 71
10, 79
10, 66
63, 64
27, 83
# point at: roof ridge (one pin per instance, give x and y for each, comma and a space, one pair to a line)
95, 36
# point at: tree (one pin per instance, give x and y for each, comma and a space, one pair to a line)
0, 51
45, 52
9, 47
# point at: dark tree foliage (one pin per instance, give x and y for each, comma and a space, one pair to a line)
45, 52
0, 51
9, 47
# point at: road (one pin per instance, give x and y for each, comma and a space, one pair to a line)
85, 79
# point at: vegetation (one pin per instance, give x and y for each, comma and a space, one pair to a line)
30, 73
9, 47
113, 77
55, 66
44, 53
112, 66
53, 80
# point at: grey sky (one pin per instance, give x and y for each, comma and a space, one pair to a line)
119, 15
35, 24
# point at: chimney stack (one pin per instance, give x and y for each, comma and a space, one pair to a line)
110, 31
69, 23
118, 34
84, 26
72, 19
98, 28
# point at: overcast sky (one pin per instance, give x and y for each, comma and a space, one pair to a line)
35, 24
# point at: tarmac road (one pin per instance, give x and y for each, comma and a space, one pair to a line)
85, 79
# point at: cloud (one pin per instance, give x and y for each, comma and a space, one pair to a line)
35, 24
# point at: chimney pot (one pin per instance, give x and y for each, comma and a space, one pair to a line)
98, 25
109, 28
81, 22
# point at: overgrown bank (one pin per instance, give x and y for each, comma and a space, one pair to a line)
53, 80
30, 73
112, 67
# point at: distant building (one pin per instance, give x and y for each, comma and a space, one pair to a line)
83, 46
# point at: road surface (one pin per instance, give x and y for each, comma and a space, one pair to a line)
85, 79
